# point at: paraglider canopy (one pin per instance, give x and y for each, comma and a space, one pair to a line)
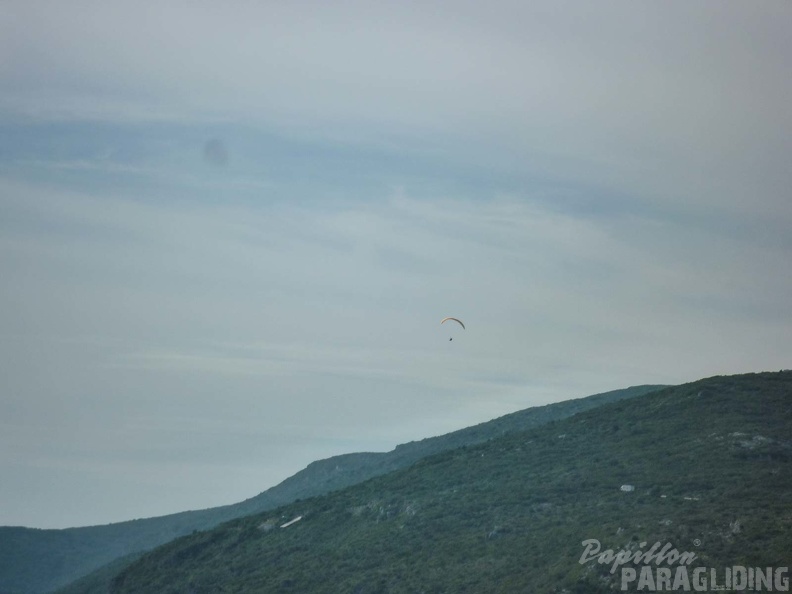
444, 320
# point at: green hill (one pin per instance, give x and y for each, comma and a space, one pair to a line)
34, 561
703, 467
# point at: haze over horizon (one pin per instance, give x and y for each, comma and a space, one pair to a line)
229, 236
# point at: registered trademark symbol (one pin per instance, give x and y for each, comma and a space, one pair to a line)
697, 542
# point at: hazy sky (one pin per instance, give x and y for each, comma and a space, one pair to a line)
228, 231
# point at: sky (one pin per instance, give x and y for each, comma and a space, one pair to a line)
229, 232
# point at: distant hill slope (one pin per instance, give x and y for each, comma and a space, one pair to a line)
705, 468
34, 561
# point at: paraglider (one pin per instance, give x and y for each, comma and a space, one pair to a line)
444, 320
